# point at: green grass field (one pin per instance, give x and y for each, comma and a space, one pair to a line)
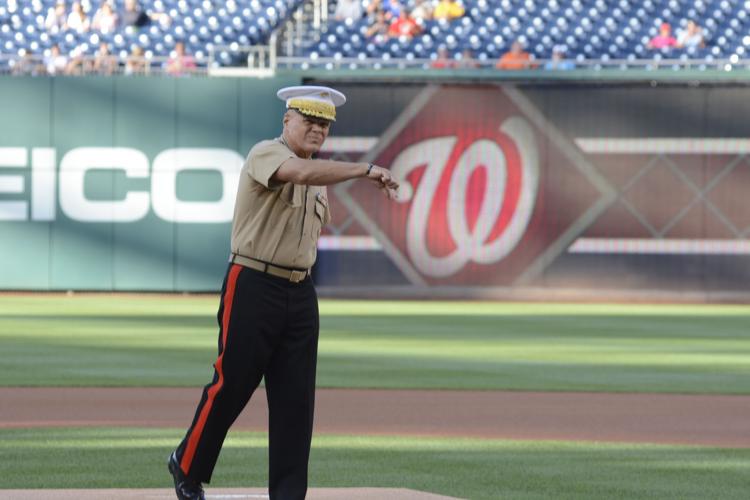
171, 341
466, 468
52, 340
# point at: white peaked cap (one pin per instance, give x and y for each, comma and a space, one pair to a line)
313, 100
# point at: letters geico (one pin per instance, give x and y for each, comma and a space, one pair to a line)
162, 197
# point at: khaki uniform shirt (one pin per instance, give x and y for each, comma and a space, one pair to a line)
277, 223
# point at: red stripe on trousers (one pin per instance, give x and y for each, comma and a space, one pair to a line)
195, 436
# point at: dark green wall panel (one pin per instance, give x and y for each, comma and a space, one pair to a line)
146, 116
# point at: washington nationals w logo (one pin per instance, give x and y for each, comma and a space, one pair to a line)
504, 205
472, 210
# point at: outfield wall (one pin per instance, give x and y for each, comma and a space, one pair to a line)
125, 217
128, 183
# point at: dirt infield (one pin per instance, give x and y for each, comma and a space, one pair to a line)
221, 493
648, 418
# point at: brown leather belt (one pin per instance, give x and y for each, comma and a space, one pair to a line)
292, 275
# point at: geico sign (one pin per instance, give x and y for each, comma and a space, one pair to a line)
162, 197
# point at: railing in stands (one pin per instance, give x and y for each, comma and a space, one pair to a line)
38, 65
264, 61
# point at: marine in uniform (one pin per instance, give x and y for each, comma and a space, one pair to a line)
268, 314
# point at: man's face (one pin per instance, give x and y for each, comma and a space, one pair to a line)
305, 134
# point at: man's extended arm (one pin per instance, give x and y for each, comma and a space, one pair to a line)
327, 172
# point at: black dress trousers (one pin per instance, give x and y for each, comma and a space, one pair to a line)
268, 327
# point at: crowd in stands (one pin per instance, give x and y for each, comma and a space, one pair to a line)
392, 19
92, 25
691, 36
103, 62
82, 17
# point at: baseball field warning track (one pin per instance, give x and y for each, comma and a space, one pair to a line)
710, 420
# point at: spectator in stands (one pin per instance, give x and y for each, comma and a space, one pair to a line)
664, 39
443, 59
133, 15
691, 36
180, 63
27, 65
105, 63
373, 7
422, 11
404, 26
157, 13
379, 26
467, 60
392, 9
77, 19
348, 9
448, 9
136, 64
55, 63
77, 64
105, 19
558, 61
515, 58
56, 17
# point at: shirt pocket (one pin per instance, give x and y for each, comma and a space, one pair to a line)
292, 195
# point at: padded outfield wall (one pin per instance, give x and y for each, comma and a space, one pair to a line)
128, 183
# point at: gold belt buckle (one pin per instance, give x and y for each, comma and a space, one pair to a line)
297, 276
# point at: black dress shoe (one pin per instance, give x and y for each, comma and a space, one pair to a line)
186, 488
